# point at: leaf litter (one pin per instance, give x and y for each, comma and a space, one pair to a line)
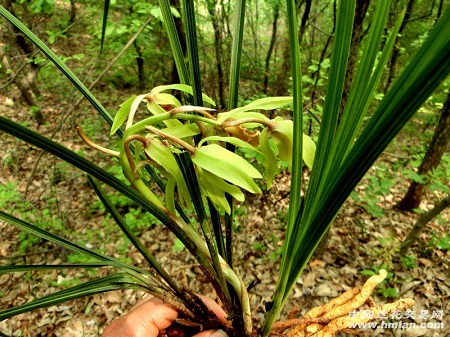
357, 241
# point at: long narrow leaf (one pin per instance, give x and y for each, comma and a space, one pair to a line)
59, 64
35, 267
296, 179
70, 245
233, 95
101, 285
377, 74
80, 86
131, 236
78, 161
424, 73
297, 160
236, 52
188, 236
51, 237
104, 23
85, 165
362, 93
192, 48
174, 41
335, 88
187, 169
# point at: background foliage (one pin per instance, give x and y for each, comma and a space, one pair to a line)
148, 62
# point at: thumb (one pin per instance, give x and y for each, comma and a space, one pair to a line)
212, 333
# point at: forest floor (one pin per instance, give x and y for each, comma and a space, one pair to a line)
357, 242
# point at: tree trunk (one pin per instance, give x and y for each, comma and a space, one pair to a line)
252, 22
284, 71
276, 14
140, 65
14, 76
316, 74
218, 51
73, 12
424, 218
438, 146
182, 38
357, 35
283, 74
304, 21
396, 51
438, 15
23, 76
22, 48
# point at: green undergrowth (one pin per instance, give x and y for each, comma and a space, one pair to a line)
12, 201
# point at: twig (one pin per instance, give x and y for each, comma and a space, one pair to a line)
395, 155
13, 77
424, 218
25, 93
61, 123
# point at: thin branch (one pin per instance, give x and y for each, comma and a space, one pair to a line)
95, 146
424, 218
75, 105
14, 76
171, 138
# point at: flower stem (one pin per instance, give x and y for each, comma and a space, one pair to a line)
171, 138
95, 146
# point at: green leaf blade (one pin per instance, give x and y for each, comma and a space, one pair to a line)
58, 63
227, 165
309, 151
104, 284
181, 87
122, 114
182, 131
426, 70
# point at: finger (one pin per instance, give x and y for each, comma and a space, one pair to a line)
156, 312
177, 332
212, 305
211, 333
146, 298
145, 320
215, 308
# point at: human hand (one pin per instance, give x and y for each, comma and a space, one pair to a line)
152, 318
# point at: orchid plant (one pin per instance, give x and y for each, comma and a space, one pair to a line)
188, 151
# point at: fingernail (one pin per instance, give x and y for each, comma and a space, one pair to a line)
219, 333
